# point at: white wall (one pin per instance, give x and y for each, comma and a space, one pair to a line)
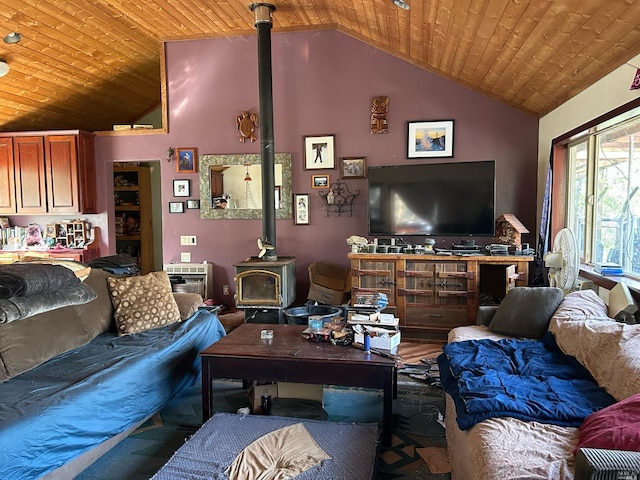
600, 98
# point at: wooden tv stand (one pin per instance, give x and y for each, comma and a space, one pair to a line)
432, 293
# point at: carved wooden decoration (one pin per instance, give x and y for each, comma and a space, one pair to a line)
246, 123
379, 111
509, 230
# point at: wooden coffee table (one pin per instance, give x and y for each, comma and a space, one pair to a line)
242, 354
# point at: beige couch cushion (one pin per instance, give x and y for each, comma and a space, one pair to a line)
27, 343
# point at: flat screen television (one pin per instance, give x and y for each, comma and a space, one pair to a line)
432, 199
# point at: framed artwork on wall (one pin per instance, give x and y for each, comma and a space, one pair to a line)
301, 209
353, 167
176, 207
319, 152
320, 181
193, 204
430, 139
181, 188
187, 160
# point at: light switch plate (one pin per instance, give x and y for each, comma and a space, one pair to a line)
188, 240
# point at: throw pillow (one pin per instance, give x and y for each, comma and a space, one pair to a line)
616, 427
142, 302
188, 303
526, 311
581, 305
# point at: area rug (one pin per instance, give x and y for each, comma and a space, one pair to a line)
415, 427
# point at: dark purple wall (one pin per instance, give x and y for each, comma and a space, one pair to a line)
323, 83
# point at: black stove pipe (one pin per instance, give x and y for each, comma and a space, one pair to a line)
262, 13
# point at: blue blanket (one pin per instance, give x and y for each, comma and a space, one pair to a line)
527, 379
77, 400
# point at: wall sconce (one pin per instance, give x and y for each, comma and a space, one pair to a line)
170, 154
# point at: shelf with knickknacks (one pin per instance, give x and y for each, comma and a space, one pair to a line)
339, 199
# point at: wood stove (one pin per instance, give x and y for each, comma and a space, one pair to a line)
265, 288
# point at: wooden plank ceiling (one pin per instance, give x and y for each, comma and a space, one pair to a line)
91, 64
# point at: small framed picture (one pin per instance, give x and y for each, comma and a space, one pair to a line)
181, 188
186, 160
176, 207
193, 204
319, 152
301, 209
320, 181
430, 139
353, 167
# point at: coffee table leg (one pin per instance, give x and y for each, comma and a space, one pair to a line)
387, 408
206, 389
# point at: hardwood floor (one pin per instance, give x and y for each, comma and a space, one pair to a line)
412, 352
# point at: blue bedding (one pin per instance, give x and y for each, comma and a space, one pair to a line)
531, 380
79, 399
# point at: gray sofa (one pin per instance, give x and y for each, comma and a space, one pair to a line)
72, 387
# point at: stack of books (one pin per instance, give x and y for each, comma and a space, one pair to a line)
608, 268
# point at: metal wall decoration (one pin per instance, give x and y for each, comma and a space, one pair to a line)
379, 112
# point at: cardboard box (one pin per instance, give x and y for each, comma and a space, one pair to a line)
382, 343
329, 284
307, 391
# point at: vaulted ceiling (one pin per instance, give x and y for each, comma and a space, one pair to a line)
91, 64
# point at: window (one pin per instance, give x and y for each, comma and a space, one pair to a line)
603, 208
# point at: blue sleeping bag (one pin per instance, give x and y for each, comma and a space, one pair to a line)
531, 380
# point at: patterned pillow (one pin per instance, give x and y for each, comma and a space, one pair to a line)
142, 302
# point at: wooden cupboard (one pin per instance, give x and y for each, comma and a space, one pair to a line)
134, 214
433, 294
47, 172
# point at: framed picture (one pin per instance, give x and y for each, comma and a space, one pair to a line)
353, 167
320, 181
430, 139
186, 160
301, 208
176, 207
319, 152
193, 204
181, 188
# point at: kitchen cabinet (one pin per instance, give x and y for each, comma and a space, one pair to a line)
47, 172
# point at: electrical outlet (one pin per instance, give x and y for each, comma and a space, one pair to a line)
188, 240
185, 257
225, 290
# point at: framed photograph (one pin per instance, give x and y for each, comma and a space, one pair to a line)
353, 167
320, 181
301, 209
193, 204
186, 160
319, 152
181, 188
430, 139
176, 207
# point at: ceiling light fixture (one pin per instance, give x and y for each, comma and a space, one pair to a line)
4, 67
401, 4
13, 37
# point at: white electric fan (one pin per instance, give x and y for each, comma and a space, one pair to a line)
563, 261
